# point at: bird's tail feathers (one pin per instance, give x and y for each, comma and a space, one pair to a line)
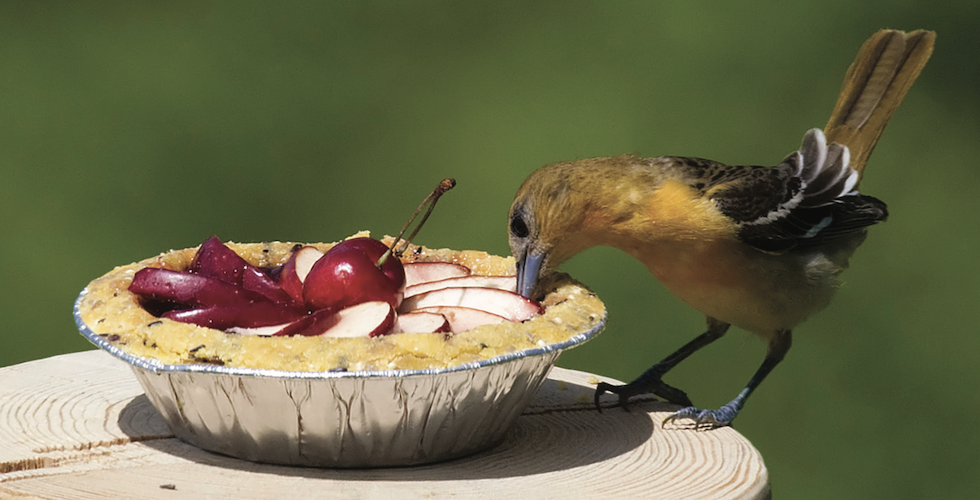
876, 82
827, 173
824, 170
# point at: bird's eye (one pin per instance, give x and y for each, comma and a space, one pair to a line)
518, 227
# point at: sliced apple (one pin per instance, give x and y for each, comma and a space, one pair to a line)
295, 269
421, 322
508, 283
256, 280
368, 319
311, 325
246, 316
462, 319
192, 289
420, 272
500, 302
215, 260
264, 331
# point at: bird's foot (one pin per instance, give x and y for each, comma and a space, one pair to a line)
706, 419
642, 385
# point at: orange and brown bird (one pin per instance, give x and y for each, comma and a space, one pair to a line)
756, 247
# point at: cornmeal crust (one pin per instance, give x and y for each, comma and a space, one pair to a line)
110, 310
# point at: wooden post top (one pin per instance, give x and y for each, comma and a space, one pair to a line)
78, 426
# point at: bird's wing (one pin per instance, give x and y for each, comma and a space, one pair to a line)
807, 200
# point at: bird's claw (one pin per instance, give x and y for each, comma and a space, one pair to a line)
704, 419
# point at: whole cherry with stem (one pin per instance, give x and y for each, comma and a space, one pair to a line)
361, 269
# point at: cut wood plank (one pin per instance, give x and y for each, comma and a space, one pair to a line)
78, 427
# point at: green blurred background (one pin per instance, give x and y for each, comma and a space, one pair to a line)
127, 130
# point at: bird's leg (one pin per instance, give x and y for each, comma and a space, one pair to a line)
650, 381
778, 346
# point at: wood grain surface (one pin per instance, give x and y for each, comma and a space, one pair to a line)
78, 426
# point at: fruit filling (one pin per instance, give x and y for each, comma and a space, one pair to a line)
356, 289
342, 292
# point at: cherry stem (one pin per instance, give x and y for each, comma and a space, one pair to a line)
444, 185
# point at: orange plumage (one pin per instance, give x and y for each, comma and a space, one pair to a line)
758, 248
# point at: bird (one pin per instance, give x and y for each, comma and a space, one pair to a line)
760, 248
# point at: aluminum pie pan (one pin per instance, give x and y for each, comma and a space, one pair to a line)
343, 419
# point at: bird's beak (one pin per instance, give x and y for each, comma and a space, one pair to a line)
527, 273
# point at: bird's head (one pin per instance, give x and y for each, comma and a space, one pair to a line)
540, 217
560, 210
530, 226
